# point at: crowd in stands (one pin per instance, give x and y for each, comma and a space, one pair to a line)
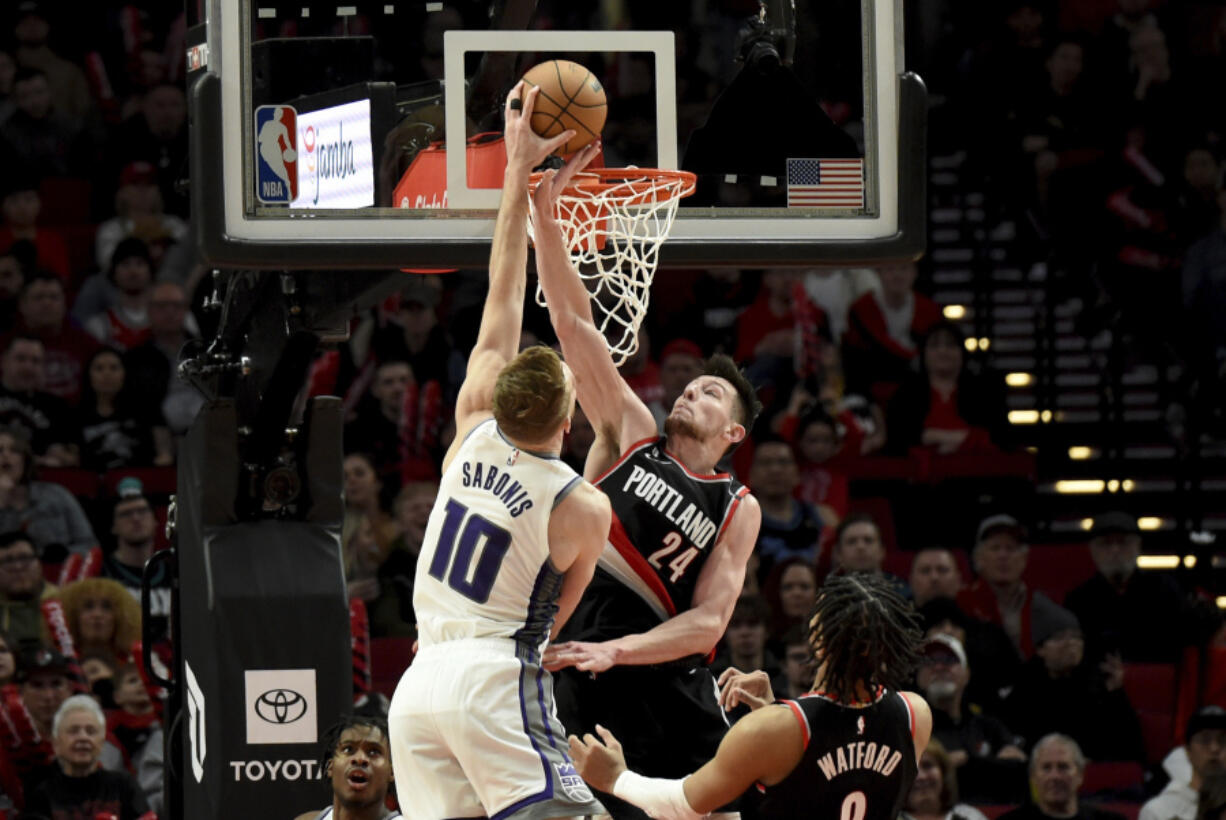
1098, 125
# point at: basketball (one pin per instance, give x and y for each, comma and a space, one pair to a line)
570, 97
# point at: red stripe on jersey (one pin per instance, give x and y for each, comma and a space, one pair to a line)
741, 493
910, 713
800, 718
631, 450
621, 542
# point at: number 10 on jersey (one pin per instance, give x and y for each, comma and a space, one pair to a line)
473, 582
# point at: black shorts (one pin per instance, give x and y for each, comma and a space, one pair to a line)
669, 721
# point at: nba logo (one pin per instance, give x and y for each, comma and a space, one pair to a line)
276, 152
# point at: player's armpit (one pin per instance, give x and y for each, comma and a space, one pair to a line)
762, 747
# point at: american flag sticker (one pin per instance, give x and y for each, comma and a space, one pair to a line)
825, 183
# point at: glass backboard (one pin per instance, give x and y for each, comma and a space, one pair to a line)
366, 134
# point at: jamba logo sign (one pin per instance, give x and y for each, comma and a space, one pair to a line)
280, 706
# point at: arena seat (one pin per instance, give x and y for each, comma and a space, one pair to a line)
981, 465
1130, 811
994, 810
881, 468
1115, 777
1152, 687
1057, 569
81, 483
389, 657
65, 200
81, 253
883, 513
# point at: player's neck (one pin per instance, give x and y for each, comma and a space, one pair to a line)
548, 449
862, 696
698, 457
376, 811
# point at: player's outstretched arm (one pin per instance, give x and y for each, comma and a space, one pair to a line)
693, 632
498, 338
578, 529
617, 415
762, 747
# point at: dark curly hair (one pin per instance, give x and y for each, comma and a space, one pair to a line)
332, 737
865, 633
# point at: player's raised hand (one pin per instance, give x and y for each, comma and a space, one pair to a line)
752, 689
525, 148
586, 657
600, 764
554, 182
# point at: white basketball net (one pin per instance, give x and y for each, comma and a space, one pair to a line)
613, 221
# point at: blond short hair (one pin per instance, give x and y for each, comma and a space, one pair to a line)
531, 398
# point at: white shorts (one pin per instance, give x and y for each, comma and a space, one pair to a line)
473, 734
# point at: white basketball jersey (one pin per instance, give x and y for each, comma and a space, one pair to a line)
484, 570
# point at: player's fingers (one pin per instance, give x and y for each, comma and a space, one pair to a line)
542, 196
608, 738
516, 94
726, 674
557, 142
529, 97
577, 748
578, 161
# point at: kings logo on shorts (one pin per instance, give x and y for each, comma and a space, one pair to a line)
280, 705
572, 783
276, 154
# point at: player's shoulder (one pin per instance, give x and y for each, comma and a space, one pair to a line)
585, 499
747, 518
777, 722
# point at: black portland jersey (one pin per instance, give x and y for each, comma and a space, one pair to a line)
666, 521
858, 764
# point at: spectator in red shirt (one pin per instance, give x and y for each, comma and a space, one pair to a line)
20, 207
765, 328
125, 325
999, 595
44, 313
825, 487
945, 407
884, 328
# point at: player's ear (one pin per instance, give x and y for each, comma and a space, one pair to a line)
328, 768
736, 433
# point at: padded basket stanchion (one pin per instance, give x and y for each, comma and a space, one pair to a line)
613, 222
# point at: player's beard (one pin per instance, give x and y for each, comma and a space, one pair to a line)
675, 427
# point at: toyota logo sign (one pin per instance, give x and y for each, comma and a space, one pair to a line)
280, 706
